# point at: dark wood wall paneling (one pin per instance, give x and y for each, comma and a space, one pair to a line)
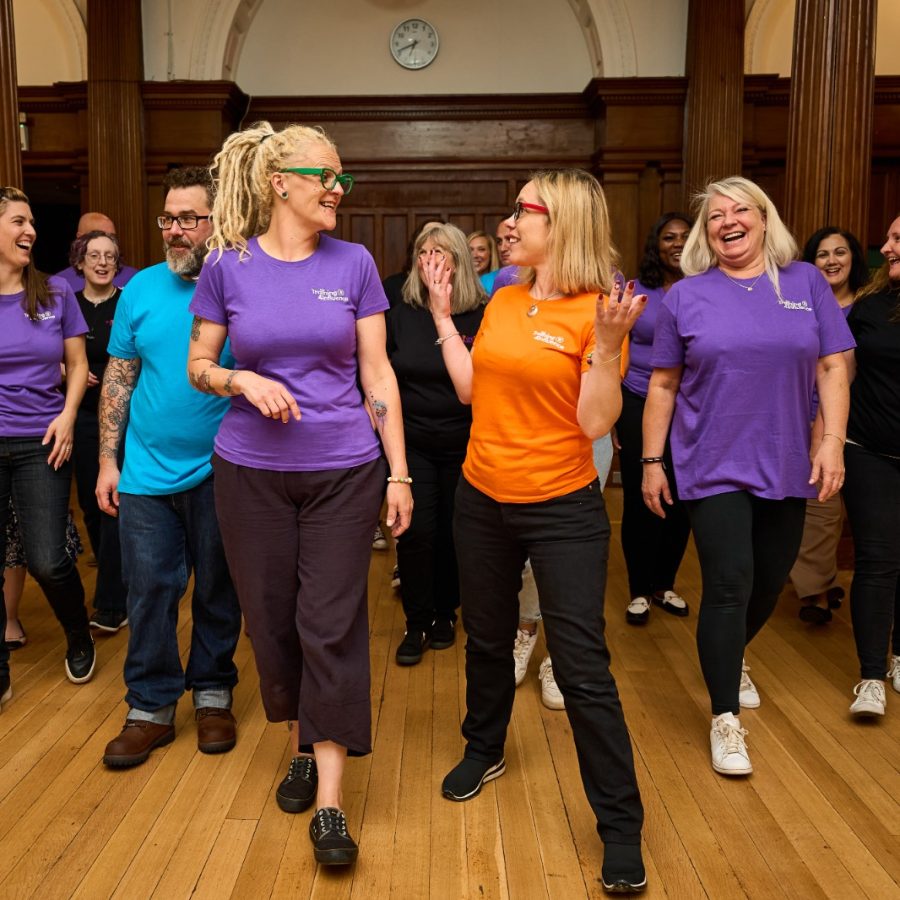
461, 158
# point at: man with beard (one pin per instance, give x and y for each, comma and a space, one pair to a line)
164, 494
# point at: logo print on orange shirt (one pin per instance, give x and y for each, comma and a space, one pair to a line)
558, 343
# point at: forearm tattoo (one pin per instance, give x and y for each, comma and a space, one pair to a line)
227, 386
203, 381
115, 400
379, 408
195, 328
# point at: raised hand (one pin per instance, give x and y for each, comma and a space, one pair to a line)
615, 317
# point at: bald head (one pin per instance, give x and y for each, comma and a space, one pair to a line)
94, 221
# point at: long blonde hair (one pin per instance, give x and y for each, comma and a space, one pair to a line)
468, 292
241, 171
492, 244
579, 248
779, 246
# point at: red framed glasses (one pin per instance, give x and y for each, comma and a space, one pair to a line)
521, 207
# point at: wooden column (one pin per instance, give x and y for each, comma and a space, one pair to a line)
115, 120
714, 108
10, 154
829, 153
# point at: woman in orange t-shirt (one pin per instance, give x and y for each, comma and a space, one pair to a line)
543, 381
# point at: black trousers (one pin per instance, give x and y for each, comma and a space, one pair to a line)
567, 540
653, 547
426, 554
103, 530
872, 496
746, 547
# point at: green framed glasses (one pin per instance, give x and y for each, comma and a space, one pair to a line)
328, 177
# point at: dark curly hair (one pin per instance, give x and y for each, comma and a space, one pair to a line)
859, 268
78, 250
652, 272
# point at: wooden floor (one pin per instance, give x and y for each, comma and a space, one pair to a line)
818, 818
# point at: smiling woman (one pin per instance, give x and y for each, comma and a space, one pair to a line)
300, 474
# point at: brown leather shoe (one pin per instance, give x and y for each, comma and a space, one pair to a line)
133, 745
216, 729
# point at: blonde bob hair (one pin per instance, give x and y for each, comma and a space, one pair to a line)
468, 292
579, 248
492, 245
779, 246
241, 173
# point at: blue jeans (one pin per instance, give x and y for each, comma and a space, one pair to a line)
41, 498
163, 539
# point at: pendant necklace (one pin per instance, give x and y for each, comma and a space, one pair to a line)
532, 310
748, 288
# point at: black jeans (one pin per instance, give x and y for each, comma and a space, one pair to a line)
746, 547
653, 547
103, 530
872, 496
41, 498
567, 540
426, 555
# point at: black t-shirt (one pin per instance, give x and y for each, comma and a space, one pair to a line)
434, 421
875, 393
99, 319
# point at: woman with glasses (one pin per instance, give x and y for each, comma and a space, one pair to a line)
299, 470
543, 381
436, 427
95, 257
40, 328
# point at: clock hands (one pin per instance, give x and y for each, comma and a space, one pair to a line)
409, 46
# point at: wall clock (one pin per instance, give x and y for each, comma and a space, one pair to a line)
414, 44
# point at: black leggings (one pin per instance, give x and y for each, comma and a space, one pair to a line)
872, 497
746, 547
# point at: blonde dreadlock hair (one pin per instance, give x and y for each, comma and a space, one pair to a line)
241, 173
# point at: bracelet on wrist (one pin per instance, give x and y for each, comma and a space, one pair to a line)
399, 479
446, 337
603, 362
832, 434
649, 460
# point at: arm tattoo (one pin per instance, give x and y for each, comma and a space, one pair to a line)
227, 386
195, 328
115, 400
379, 408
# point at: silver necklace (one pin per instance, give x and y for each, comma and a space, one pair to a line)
745, 287
533, 309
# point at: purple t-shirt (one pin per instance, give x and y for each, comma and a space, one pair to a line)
505, 277
31, 394
741, 418
640, 341
76, 280
295, 322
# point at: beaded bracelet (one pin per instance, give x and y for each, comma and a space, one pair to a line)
398, 479
447, 337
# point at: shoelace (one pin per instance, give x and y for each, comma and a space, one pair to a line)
873, 691
733, 737
300, 767
521, 645
331, 820
894, 670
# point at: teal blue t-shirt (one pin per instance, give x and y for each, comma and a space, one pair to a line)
171, 426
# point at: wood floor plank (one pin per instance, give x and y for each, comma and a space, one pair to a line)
224, 863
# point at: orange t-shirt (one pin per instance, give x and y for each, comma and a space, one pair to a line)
526, 445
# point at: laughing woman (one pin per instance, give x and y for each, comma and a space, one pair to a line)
543, 381
299, 471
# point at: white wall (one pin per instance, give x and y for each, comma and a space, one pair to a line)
50, 41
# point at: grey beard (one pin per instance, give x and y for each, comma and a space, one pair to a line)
187, 266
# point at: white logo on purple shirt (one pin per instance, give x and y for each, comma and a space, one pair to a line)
802, 305
43, 316
327, 296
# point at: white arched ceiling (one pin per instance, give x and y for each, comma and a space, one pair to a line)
51, 41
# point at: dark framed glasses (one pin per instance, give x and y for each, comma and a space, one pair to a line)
328, 177
185, 223
522, 207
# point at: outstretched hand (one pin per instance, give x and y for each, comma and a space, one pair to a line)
615, 317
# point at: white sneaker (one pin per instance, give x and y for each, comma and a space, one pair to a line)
729, 751
870, 698
551, 696
379, 541
748, 695
638, 611
894, 673
522, 651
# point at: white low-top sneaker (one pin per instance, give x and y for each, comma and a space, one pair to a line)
870, 698
522, 650
729, 750
551, 695
894, 673
748, 695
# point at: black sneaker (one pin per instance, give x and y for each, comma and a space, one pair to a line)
443, 634
623, 869
108, 620
80, 657
332, 845
298, 789
411, 648
467, 779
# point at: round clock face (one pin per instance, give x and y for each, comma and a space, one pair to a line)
414, 44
